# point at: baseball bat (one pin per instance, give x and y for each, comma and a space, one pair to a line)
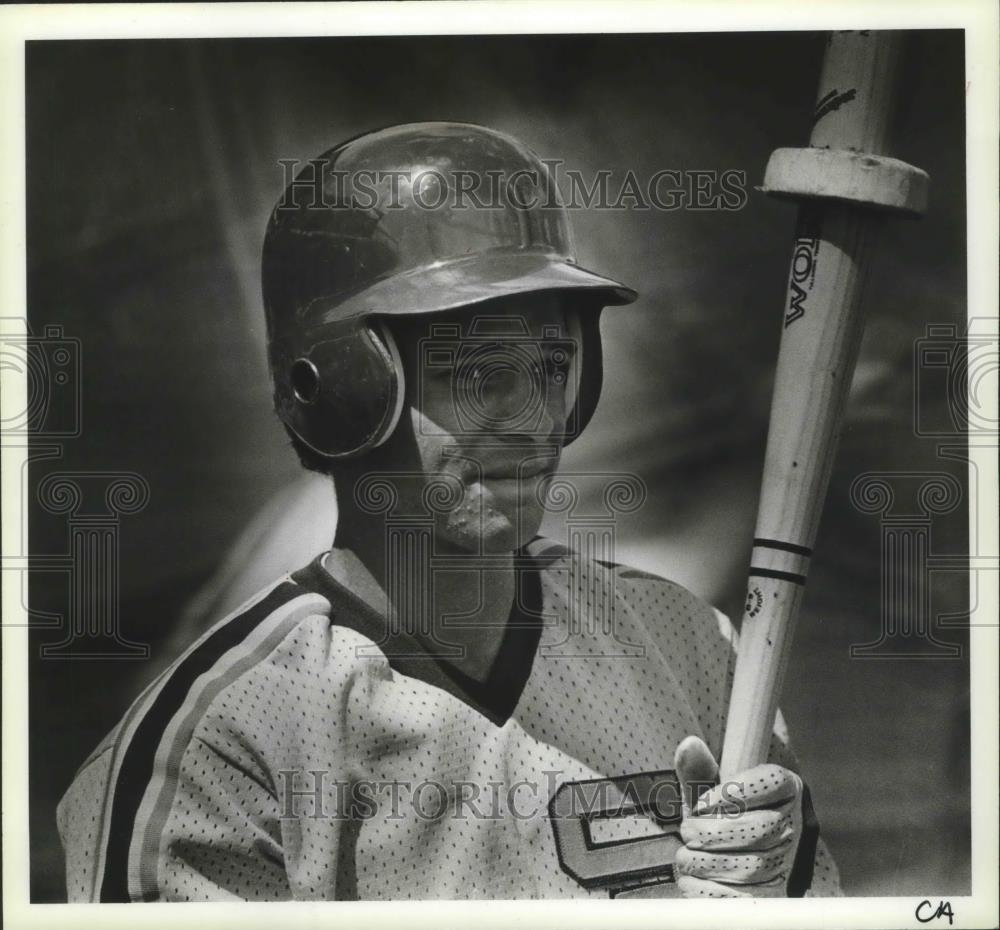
846, 184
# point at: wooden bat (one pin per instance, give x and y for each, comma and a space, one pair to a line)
847, 185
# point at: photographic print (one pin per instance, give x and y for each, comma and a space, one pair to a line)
452, 466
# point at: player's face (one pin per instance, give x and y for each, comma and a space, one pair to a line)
488, 400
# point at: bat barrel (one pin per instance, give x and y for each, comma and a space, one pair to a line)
856, 88
847, 185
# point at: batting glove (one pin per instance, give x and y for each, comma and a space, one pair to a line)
743, 838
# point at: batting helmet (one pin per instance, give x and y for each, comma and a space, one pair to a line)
411, 219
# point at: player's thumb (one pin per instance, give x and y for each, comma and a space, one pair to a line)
696, 769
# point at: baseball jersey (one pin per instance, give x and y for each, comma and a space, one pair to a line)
303, 748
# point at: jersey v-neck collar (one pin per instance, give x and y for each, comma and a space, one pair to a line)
497, 695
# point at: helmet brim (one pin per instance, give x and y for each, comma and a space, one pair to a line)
473, 280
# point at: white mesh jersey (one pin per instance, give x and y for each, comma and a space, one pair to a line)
296, 752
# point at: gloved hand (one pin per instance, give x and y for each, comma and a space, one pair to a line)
741, 837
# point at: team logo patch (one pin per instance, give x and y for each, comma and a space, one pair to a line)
620, 834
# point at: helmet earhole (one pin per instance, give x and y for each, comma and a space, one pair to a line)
305, 381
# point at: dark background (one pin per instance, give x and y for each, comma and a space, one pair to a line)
152, 167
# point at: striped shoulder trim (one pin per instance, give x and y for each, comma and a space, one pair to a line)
156, 731
111, 739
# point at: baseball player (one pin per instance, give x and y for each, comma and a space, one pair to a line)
444, 704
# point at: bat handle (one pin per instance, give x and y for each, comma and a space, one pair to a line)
819, 348
838, 179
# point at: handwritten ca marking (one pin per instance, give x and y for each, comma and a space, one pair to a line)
925, 912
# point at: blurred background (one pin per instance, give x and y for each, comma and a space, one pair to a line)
152, 168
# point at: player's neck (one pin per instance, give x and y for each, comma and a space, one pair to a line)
458, 614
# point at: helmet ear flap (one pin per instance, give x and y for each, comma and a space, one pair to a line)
344, 396
382, 331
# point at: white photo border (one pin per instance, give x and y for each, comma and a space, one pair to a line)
979, 19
